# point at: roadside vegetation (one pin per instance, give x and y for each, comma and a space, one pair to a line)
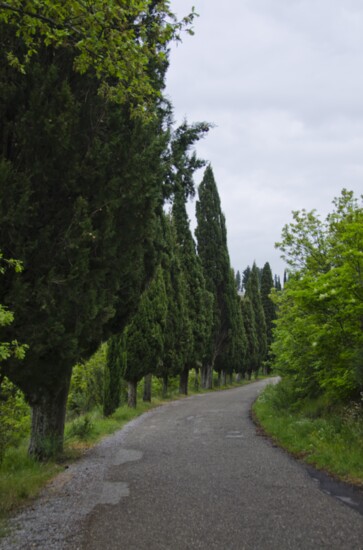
325, 434
317, 409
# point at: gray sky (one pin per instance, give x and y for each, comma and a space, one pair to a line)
282, 80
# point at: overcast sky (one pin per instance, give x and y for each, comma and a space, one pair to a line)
282, 80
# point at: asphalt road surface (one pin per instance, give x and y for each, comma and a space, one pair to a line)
191, 475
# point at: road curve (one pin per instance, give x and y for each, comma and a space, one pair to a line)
192, 474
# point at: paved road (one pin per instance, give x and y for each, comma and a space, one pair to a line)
190, 475
195, 476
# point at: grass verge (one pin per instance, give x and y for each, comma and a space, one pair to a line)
326, 435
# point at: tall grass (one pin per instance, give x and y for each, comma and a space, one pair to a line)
325, 434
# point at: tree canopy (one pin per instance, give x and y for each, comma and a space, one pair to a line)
120, 43
319, 338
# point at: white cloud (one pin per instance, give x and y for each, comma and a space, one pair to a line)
283, 82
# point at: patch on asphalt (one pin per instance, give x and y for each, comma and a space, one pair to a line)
234, 435
113, 492
126, 455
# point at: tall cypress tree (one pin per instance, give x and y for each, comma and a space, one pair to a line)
252, 351
144, 337
253, 293
178, 329
238, 281
232, 357
112, 376
212, 249
277, 283
267, 285
80, 183
198, 299
245, 276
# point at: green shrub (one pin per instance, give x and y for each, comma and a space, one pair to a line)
14, 416
81, 427
87, 383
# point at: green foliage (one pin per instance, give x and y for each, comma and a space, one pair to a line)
254, 294
213, 252
267, 285
82, 427
112, 374
326, 435
13, 348
14, 416
198, 299
21, 478
252, 357
87, 382
117, 42
145, 335
318, 337
232, 357
177, 336
85, 240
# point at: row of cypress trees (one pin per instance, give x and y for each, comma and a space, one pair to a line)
83, 180
88, 157
192, 314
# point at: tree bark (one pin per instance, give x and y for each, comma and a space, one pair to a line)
204, 376
48, 413
224, 378
165, 385
131, 394
183, 383
219, 379
147, 388
207, 377
210, 377
196, 380
231, 377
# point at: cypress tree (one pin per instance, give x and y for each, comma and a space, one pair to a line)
252, 351
144, 337
277, 283
253, 293
245, 277
178, 329
232, 357
238, 281
112, 376
212, 249
267, 284
198, 299
80, 184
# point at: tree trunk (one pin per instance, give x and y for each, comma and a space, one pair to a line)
131, 394
165, 385
210, 377
238, 377
147, 388
207, 377
219, 379
196, 380
203, 377
47, 423
183, 383
224, 378
231, 377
